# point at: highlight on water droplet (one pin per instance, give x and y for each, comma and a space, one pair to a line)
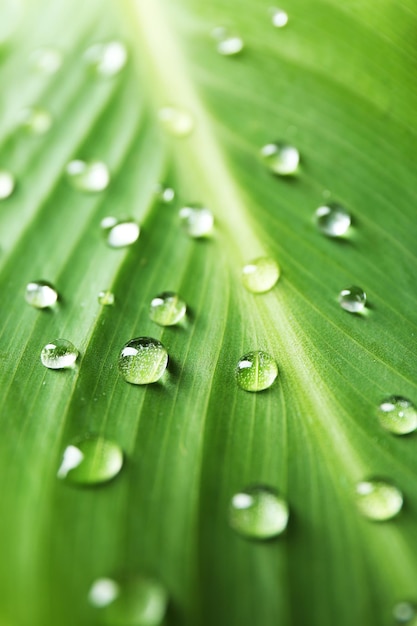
228, 43
258, 512
398, 415
197, 221
164, 194
59, 354
176, 121
378, 500
352, 299
106, 298
281, 158
41, 294
120, 233
256, 371
279, 17
261, 275
7, 184
46, 60
91, 461
107, 59
92, 176
143, 360
405, 613
333, 220
167, 309
35, 120
132, 601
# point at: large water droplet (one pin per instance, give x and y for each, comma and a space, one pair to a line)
405, 613
106, 298
90, 176
256, 371
59, 354
7, 184
176, 121
120, 233
107, 59
135, 601
333, 220
143, 360
352, 299
260, 275
378, 500
196, 220
167, 309
258, 513
281, 158
46, 60
164, 194
228, 44
398, 415
91, 461
279, 17
36, 121
41, 294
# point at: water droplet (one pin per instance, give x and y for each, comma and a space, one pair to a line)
135, 601
36, 121
398, 415
7, 184
378, 500
58, 354
196, 220
92, 176
143, 360
91, 461
405, 613
46, 60
260, 275
176, 121
279, 18
106, 298
120, 233
352, 299
333, 220
228, 44
258, 513
167, 309
165, 194
107, 59
256, 371
41, 294
281, 158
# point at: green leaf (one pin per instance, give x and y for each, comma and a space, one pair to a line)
337, 82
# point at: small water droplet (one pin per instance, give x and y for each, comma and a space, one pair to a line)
107, 59
134, 601
46, 60
333, 220
405, 613
352, 299
58, 354
120, 233
176, 121
36, 121
165, 194
106, 298
258, 513
228, 44
91, 461
256, 371
398, 415
196, 220
167, 309
281, 158
260, 275
41, 294
378, 500
7, 184
90, 176
279, 17
143, 360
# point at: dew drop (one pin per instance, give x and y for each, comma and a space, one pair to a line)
107, 59
352, 299
165, 194
36, 121
256, 371
281, 158
279, 18
46, 60
228, 44
378, 500
143, 360
7, 184
41, 294
258, 513
106, 298
197, 221
167, 309
405, 613
91, 461
260, 275
177, 122
90, 176
333, 220
136, 601
120, 233
59, 354
398, 415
